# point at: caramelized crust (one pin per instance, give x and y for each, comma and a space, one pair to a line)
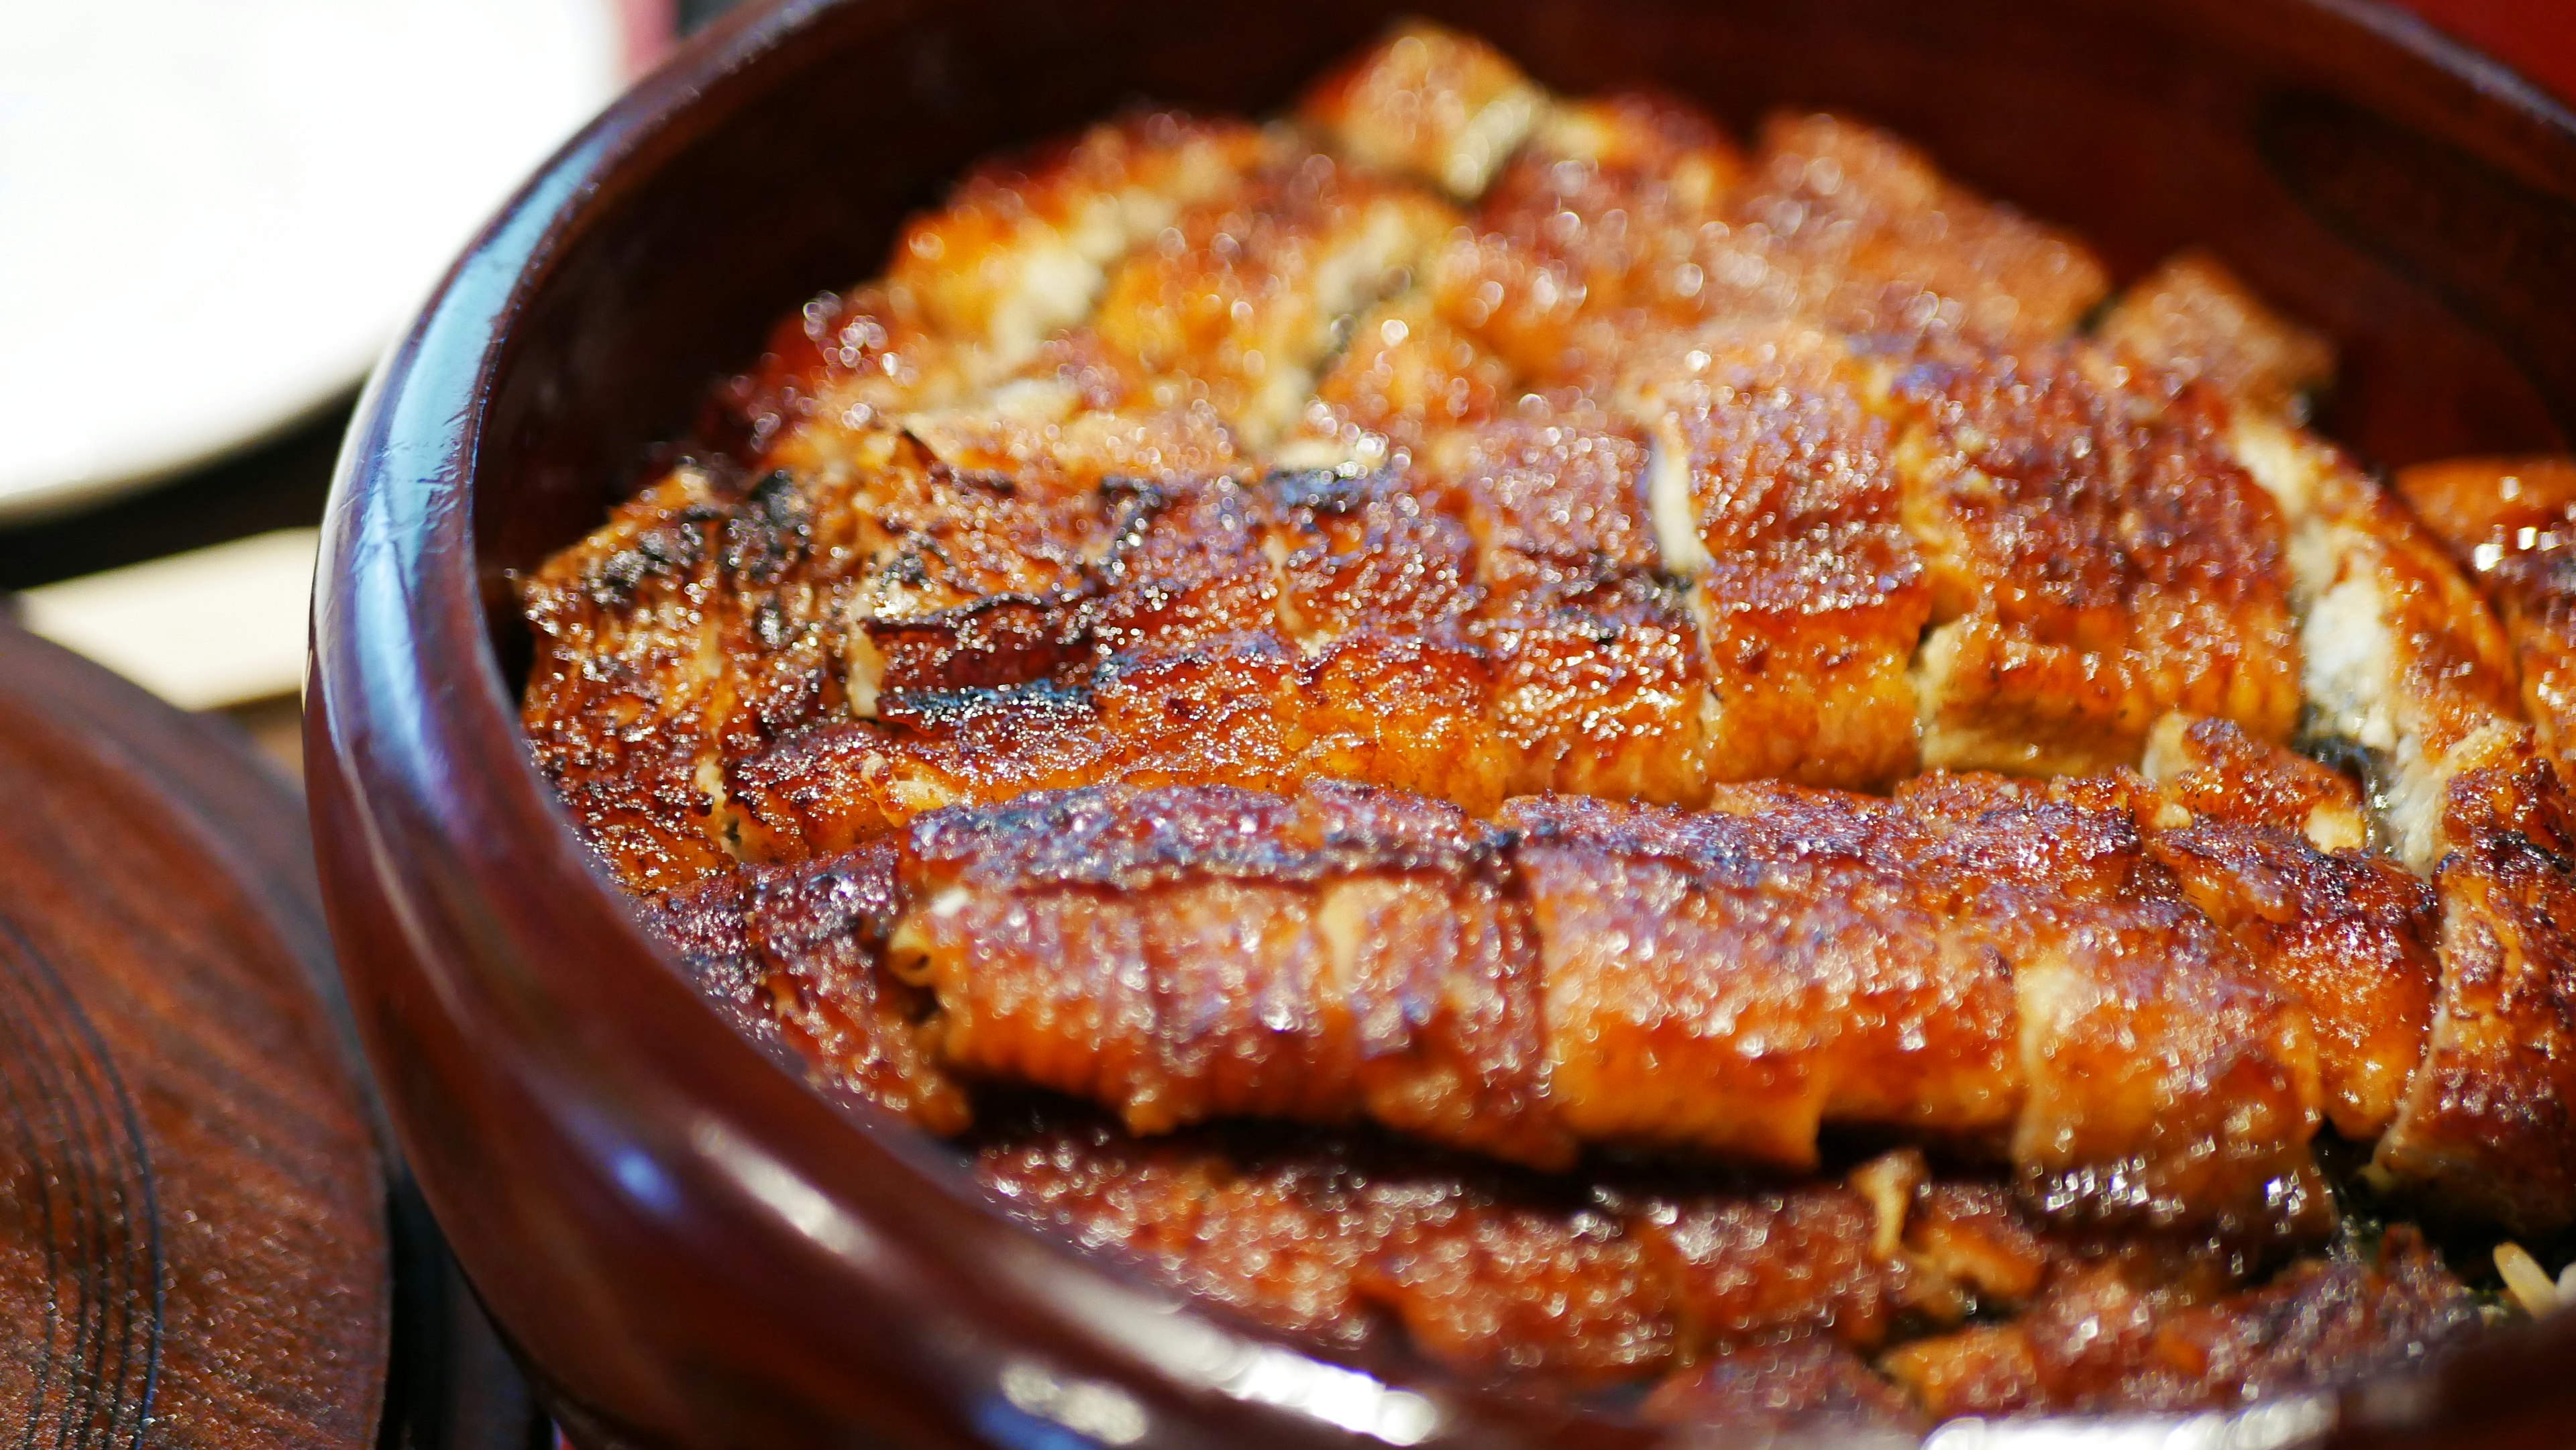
2166, 1079
1369, 553
1600, 683
1237, 301
1805, 1386
2349, 934
1491, 1272
974, 582
1600, 678
1023, 246
2193, 319
1201, 953
1277, 1238
1631, 217
2407, 665
1378, 587
1405, 378
2513, 523
1503, 1285
1483, 1271
843, 358
793, 952
1367, 622
2212, 768
689, 628
1771, 1297
2096, 560
1498, 626
1972, 1246
816, 931
2486, 1129
1590, 236
967, 466
1849, 226
1428, 103
1731, 982
831, 787
2099, 1341
1050, 436
1773, 490
1192, 564
1748, 1266
1979, 967
1982, 875
1210, 632
1549, 493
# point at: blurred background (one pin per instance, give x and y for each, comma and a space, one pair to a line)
214, 217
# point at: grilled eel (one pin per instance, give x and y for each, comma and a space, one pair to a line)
1887, 1295
2143, 994
1204, 451
1484, 444
1891, 1295
2512, 523
2408, 671
1556, 599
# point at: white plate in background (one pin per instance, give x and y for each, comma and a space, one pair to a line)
215, 213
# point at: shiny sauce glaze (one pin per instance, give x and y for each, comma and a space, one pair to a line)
1492, 728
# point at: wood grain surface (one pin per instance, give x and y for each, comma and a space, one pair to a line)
193, 1244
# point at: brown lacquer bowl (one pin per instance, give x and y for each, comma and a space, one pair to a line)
694, 1248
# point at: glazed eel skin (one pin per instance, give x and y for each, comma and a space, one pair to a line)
2087, 980
1509, 621
1888, 1292
1980, 970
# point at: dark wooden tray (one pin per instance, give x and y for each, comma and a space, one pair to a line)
200, 1241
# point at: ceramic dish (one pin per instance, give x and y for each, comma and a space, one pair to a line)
692, 1246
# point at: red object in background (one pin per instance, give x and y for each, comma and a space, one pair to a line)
2535, 37
648, 29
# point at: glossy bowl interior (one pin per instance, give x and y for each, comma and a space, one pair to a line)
694, 1248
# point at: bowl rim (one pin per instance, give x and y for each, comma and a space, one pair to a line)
409, 697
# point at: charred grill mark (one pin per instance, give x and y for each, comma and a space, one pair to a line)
1771, 492
992, 642
769, 533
